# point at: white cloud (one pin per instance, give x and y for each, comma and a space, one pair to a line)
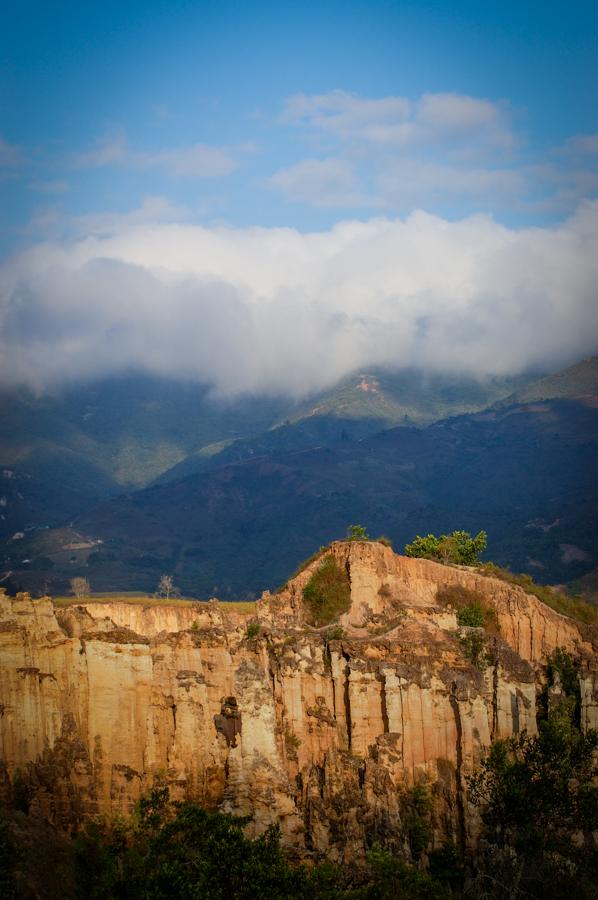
197, 161
398, 121
408, 182
345, 114
322, 182
582, 144
276, 310
399, 154
108, 151
153, 210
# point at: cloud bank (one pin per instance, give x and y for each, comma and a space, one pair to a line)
275, 310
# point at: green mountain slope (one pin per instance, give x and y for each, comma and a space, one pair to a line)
405, 397
119, 433
524, 474
361, 405
580, 380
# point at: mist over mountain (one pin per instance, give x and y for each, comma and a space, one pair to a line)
117, 433
273, 311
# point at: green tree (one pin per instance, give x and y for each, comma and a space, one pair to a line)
458, 547
539, 800
182, 852
394, 879
357, 533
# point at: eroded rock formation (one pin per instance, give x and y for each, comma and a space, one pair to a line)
320, 732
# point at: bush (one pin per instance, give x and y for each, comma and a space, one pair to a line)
562, 664
471, 616
181, 851
539, 800
253, 629
8, 862
357, 533
384, 540
416, 812
336, 633
458, 547
474, 648
327, 594
394, 879
291, 740
472, 608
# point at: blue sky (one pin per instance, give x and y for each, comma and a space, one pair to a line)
106, 105
293, 190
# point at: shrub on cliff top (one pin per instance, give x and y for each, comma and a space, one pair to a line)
458, 547
327, 594
357, 533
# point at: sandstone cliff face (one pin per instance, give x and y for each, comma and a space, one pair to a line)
321, 734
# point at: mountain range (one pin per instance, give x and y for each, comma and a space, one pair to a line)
131, 478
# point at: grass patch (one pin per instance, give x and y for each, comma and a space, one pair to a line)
573, 607
472, 608
327, 594
243, 607
136, 600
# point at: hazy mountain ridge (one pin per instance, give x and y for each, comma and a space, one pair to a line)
577, 381
525, 475
523, 472
122, 433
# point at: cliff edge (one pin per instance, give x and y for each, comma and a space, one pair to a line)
321, 729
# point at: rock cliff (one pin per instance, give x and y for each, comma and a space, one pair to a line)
321, 730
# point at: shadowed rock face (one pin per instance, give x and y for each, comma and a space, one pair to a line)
323, 735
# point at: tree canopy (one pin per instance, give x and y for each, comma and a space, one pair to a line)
457, 547
539, 800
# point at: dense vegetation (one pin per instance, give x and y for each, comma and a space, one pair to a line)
538, 798
539, 801
458, 547
181, 851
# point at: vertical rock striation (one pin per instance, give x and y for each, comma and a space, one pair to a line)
321, 734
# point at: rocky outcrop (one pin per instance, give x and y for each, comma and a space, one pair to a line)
321, 730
